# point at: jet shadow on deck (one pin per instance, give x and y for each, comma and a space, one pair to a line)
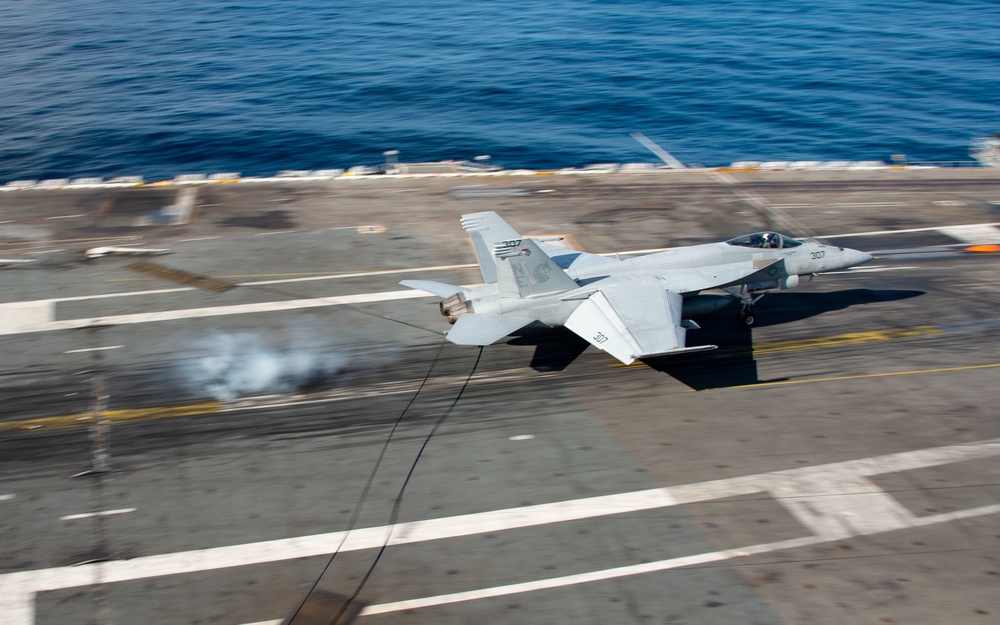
733, 363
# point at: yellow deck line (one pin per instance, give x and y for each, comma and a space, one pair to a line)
851, 338
834, 340
209, 407
112, 416
852, 377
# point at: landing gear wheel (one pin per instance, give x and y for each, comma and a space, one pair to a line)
747, 319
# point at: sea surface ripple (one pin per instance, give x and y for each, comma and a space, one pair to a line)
96, 87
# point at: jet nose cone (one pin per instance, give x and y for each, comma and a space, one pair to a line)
855, 257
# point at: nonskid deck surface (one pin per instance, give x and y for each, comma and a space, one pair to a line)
836, 463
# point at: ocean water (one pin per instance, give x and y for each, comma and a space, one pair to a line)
162, 87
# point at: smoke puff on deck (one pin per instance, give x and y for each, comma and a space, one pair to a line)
242, 364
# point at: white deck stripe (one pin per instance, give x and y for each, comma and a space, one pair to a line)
648, 567
908, 230
38, 315
362, 274
93, 349
795, 488
17, 317
87, 515
44, 323
331, 276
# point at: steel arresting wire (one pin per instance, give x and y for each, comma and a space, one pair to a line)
359, 506
397, 504
362, 499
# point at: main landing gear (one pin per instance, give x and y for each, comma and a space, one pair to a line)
747, 299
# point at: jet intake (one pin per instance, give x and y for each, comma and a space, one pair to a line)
455, 306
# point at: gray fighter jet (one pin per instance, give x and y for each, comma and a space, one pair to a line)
631, 308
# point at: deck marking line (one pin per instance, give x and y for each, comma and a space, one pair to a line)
648, 567
21, 325
866, 204
17, 317
261, 402
866, 270
93, 349
112, 416
87, 515
583, 578
850, 338
906, 231
17, 590
854, 377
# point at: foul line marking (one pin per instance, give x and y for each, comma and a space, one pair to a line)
836, 501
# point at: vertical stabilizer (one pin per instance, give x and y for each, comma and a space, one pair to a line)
486, 230
523, 270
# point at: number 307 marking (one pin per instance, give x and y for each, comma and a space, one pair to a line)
511, 243
819, 254
600, 338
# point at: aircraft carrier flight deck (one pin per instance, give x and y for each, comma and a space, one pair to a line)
199, 380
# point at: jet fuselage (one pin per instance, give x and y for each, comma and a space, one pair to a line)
674, 268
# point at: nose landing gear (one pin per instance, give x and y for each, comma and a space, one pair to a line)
747, 299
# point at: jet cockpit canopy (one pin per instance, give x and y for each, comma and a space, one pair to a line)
765, 240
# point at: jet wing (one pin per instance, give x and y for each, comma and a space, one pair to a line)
702, 278
633, 319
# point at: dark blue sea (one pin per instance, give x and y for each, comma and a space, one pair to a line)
162, 87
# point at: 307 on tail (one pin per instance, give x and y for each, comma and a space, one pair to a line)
633, 308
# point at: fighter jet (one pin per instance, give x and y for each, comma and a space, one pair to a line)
633, 308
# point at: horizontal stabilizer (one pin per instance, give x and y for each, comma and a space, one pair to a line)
483, 329
437, 288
